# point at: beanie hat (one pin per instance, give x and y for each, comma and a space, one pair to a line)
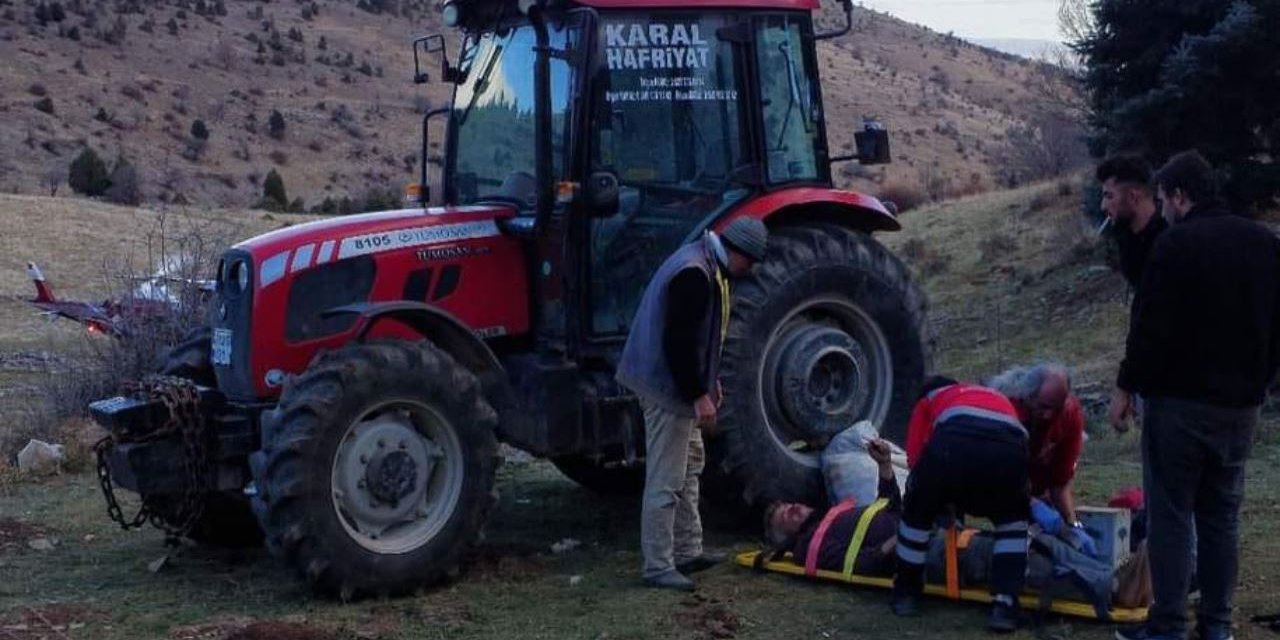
747, 236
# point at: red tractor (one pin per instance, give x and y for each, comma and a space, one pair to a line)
358, 373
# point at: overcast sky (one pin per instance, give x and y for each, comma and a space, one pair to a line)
1036, 19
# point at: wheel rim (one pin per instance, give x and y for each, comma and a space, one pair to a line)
827, 365
397, 477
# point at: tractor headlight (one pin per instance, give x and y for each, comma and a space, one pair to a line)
238, 276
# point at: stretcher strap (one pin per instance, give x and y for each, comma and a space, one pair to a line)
953, 563
815, 543
860, 534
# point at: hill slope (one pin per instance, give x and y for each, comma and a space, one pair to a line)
132, 77
1015, 277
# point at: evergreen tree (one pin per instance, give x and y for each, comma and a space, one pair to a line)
1169, 75
275, 125
273, 193
88, 174
199, 130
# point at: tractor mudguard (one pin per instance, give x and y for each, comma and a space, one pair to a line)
446, 331
814, 204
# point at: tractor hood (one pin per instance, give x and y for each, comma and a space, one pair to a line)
302, 246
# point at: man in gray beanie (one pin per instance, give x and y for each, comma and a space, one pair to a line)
671, 362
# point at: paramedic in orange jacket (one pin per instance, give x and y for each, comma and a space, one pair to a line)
967, 450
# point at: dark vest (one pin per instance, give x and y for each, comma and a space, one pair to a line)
643, 367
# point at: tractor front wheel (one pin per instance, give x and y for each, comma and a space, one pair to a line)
827, 331
377, 472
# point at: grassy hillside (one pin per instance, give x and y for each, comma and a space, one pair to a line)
1014, 277
132, 78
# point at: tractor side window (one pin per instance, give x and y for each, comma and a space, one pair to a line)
493, 115
667, 122
792, 117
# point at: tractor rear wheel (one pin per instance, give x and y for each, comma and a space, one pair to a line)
377, 470
226, 519
827, 331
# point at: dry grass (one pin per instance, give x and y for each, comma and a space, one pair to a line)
88, 251
1025, 281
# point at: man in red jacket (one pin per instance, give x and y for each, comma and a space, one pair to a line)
1042, 396
967, 450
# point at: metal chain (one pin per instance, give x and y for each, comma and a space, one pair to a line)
108, 491
182, 400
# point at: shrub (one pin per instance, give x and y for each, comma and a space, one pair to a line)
45, 105
126, 184
273, 193
88, 174
199, 130
276, 125
95, 366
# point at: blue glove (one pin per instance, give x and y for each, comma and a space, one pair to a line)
1047, 517
1083, 541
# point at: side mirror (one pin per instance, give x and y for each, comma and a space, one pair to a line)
603, 194
873, 144
433, 43
847, 5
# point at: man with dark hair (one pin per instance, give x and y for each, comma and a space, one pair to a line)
1129, 201
671, 362
1203, 346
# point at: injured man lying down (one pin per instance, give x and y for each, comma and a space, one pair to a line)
866, 534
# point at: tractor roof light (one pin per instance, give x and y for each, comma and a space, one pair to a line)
451, 14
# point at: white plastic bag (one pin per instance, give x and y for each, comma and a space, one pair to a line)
850, 472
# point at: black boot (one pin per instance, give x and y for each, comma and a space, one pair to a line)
1004, 615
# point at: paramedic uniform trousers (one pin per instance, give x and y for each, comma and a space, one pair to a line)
981, 470
670, 528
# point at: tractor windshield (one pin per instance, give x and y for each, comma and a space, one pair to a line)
492, 146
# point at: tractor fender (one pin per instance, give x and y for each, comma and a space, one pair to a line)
812, 204
445, 331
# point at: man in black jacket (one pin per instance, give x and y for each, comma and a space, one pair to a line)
1129, 201
1202, 349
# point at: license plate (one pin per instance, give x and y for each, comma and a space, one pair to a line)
221, 347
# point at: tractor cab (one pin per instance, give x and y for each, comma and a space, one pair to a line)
621, 130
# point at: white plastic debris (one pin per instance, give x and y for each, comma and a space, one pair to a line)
574, 580
565, 546
41, 544
39, 458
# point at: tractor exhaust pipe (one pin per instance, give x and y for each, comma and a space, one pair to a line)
542, 108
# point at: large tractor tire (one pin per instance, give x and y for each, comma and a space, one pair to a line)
604, 480
377, 471
226, 519
827, 331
